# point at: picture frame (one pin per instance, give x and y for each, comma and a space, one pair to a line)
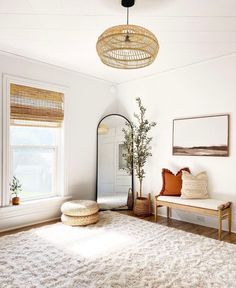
201, 136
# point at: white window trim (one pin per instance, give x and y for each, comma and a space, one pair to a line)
7, 80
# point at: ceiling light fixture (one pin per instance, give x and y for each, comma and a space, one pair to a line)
127, 46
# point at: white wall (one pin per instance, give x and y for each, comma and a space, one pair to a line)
207, 88
88, 99
202, 89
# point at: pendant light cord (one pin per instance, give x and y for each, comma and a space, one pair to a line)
127, 15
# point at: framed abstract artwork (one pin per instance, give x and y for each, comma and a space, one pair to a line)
201, 136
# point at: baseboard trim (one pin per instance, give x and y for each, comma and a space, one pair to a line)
31, 213
29, 225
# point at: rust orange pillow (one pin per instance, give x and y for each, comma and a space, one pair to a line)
172, 184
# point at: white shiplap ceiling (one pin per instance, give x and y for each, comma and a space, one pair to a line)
64, 32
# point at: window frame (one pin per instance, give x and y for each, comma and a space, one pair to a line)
61, 177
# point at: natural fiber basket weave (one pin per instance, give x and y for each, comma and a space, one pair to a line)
127, 47
79, 208
79, 220
142, 206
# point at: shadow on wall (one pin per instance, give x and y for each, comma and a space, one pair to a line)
123, 110
111, 108
83, 190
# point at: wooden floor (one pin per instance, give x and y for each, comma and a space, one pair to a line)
185, 226
189, 227
27, 228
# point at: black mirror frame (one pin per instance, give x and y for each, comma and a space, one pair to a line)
132, 175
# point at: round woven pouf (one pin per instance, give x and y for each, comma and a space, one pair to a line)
79, 208
79, 220
79, 212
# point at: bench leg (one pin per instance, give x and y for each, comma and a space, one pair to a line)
219, 225
149, 204
155, 210
168, 210
230, 219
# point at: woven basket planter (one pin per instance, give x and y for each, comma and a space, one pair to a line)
142, 206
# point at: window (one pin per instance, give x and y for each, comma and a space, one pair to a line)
34, 154
35, 145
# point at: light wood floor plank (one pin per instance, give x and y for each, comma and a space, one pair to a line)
189, 227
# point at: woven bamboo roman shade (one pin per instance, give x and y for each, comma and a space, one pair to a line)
31, 106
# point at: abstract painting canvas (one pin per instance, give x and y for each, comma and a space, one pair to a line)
201, 136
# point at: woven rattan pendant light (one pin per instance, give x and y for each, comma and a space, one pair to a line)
127, 46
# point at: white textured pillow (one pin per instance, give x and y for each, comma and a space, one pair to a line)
194, 187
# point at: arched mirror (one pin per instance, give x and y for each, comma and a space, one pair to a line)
114, 183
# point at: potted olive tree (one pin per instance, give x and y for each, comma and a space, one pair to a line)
15, 188
137, 144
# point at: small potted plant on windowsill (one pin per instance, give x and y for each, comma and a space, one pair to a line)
15, 188
138, 150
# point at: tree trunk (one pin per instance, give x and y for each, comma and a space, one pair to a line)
140, 186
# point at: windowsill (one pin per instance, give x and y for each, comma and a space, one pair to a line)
31, 212
28, 209
37, 202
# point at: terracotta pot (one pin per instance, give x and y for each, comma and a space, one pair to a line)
142, 206
15, 200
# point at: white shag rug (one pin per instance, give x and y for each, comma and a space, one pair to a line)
118, 251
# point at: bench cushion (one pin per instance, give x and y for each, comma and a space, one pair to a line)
212, 204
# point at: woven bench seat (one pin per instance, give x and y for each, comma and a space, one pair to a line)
212, 204
208, 207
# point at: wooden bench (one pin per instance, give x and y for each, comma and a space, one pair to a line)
207, 207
